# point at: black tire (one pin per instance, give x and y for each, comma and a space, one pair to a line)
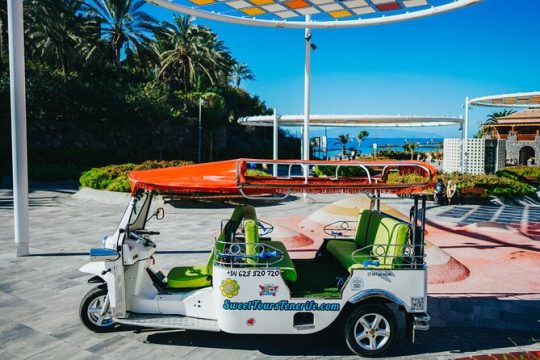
94, 297
375, 338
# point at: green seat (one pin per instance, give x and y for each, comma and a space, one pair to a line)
286, 264
383, 239
198, 276
342, 250
189, 277
251, 232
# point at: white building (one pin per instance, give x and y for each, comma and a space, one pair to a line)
484, 156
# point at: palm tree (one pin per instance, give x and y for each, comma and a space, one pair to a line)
239, 72
361, 136
125, 27
57, 30
492, 120
343, 139
191, 56
410, 147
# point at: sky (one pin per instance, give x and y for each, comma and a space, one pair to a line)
421, 67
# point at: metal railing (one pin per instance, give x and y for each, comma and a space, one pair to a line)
378, 257
235, 254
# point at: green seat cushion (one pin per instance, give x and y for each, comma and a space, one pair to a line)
226, 236
362, 228
389, 239
288, 271
189, 277
342, 250
251, 232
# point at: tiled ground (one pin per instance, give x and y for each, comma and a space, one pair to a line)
40, 294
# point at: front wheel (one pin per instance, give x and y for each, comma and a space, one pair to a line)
370, 330
95, 311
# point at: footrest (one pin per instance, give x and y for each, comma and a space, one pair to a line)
169, 322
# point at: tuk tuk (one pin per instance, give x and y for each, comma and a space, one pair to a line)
364, 273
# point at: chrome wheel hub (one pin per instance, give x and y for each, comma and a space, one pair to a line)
372, 331
98, 311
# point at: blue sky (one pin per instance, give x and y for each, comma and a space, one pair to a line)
420, 67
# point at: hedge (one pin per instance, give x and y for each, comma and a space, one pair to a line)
493, 185
115, 177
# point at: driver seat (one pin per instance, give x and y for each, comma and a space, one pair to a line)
199, 276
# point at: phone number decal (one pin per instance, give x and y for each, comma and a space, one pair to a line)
283, 305
253, 273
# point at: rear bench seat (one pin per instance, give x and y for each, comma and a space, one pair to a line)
379, 237
251, 230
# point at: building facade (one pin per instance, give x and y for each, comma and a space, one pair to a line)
484, 156
521, 131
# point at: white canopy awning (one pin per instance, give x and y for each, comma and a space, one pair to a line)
517, 100
353, 120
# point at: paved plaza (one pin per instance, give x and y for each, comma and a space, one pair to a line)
40, 294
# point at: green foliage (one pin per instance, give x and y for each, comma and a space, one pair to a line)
255, 173
115, 177
395, 178
344, 171
530, 174
104, 87
493, 185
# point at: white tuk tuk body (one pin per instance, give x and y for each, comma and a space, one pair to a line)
247, 292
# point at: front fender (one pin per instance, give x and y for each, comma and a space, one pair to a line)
104, 271
94, 268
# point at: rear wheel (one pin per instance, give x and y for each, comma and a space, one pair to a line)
95, 310
370, 330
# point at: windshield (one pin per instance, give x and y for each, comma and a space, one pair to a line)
139, 211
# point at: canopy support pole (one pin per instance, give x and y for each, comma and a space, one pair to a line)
275, 139
18, 125
307, 70
464, 150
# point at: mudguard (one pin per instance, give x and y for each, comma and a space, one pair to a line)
104, 271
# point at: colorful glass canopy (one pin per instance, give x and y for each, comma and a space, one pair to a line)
518, 100
321, 13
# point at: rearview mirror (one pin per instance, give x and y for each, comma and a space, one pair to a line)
160, 213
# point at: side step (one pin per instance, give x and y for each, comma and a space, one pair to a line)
169, 322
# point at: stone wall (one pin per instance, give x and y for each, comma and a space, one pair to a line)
513, 147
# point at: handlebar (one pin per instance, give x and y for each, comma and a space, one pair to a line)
146, 241
146, 232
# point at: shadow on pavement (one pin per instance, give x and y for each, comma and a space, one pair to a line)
438, 340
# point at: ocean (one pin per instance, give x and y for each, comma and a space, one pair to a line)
366, 147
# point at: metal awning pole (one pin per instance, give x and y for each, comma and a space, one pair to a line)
465, 144
18, 125
307, 70
275, 146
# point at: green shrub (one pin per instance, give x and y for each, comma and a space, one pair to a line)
529, 174
115, 177
494, 185
255, 172
344, 171
395, 178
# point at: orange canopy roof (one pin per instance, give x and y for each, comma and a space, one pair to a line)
230, 178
